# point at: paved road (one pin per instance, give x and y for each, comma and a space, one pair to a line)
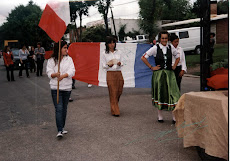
28, 130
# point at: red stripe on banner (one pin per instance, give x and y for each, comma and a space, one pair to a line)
86, 58
52, 24
48, 54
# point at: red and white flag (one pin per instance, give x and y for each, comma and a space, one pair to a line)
55, 18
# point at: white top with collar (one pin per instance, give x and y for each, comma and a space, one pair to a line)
66, 66
153, 51
106, 57
182, 61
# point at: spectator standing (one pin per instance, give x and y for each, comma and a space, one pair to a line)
212, 43
31, 59
23, 54
8, 61
39, 52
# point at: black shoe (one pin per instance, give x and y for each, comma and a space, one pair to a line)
116, 115
160, 121
12, 80
70, 100
173, 122
73, 87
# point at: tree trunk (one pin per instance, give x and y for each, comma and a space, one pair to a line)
78, 36
106, 17
80, 39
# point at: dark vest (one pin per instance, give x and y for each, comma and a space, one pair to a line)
159, 59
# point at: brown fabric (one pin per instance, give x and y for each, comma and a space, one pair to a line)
115, 84
202, 120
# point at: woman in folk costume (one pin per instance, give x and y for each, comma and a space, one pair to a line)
112, 62
165, 92
181, 67
67, 71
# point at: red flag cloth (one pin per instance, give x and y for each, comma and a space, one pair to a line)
48, 54
52, 24
55, 18
86, 58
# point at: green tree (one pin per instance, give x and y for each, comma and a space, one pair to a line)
196, 8
148, 16
78, 9
94, 34
175, 10
103, 8
222, 7
151, 11
22, 24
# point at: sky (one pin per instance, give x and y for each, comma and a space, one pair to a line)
121, 9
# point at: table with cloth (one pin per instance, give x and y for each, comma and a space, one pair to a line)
202, 120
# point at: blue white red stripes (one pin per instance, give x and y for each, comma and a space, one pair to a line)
87, 60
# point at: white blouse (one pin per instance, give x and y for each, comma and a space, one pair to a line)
182, 61
66, 66
153, 51
116, 56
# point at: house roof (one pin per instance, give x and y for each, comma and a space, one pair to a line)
213, 18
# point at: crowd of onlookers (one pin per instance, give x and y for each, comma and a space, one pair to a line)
31, 59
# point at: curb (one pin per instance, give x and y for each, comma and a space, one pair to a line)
190, 75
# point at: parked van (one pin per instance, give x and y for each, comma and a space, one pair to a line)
189, 38
137, 39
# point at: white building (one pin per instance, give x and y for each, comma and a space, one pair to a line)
131, 25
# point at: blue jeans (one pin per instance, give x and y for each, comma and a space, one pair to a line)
61, 107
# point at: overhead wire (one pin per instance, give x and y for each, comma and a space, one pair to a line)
114, 6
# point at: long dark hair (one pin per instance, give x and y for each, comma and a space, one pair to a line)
5, 49
108, 41
56, 50
162, 32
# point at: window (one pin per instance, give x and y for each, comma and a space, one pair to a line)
183, 35
140, 37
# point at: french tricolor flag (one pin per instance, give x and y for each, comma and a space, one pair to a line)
87, 60
55, 18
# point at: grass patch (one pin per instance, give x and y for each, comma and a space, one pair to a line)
220, 53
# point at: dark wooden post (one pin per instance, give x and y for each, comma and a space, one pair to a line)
205, 43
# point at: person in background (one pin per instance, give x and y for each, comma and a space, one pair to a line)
8, 61
181, 67
112, 63
212, 43
67, 71
165, 92
73, 87
23, 54
39, 52
31, 59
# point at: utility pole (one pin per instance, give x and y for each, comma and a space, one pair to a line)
113, 22
205, 43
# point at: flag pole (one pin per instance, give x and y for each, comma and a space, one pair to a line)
59, 55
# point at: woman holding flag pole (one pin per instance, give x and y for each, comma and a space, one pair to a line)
60, 71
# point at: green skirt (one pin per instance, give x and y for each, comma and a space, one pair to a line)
165, 92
